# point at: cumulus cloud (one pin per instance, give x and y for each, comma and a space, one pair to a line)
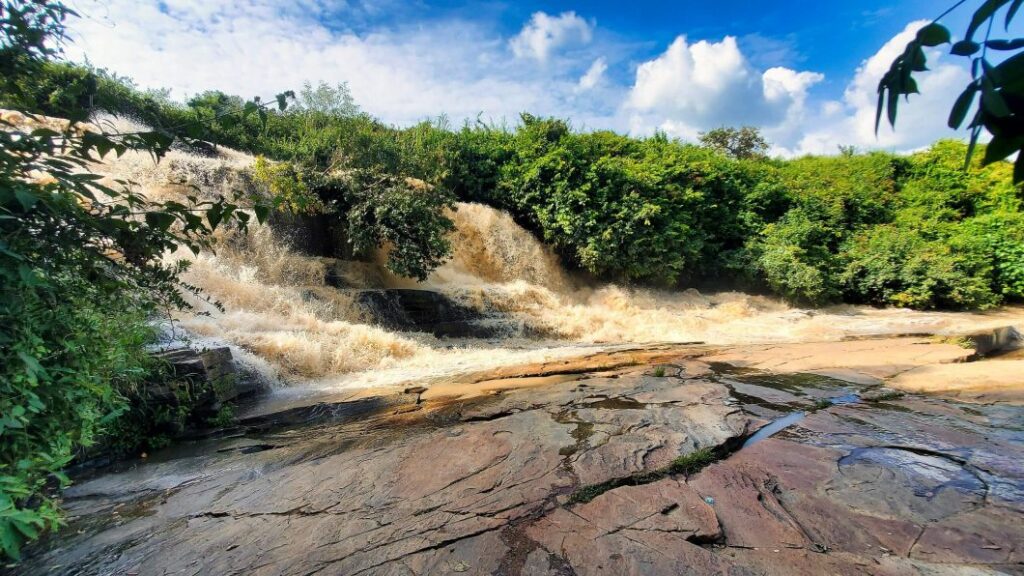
694, 87
545, 33
402, 74
921, 121
593, 75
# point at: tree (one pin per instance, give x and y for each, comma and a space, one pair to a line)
995, 93
327, 99
745, 142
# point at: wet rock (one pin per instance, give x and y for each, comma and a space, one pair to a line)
426, 311
538, 563
353, 274
877, 359
920, 486
982, 381
486, 484
313, 235
624, 442
213, 370
995, 341
855, 483
881, 394
647, 529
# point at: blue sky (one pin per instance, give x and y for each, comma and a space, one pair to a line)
830, 37
803, 71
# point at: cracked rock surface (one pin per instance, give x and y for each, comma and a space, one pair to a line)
596, 472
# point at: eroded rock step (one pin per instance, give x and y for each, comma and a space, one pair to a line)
588, 475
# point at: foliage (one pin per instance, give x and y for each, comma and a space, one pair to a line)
58, 89
887, 264
997, 89
745, 142
650, 210
82, 266
796, 256
286, 186
405, 217
68, 350
167, 406
693, 462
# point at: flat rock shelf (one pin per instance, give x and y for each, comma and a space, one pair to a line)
634, 462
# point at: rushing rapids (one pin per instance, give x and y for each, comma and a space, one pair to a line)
284, 318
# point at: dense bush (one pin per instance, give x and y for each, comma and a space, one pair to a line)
652, 210
68, 352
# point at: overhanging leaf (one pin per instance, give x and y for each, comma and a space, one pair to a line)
965, 48
933, 35
962, 107
1012, 12
1006, 45
262, 211
999, 148
159, 220
982, 14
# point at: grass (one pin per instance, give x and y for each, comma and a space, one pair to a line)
588, 493
822, 403
659, 372
687, 464
693, 462
961, 341
891, 395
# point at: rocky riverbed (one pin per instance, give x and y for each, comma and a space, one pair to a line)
781, 460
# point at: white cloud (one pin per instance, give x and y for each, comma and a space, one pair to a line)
545, 33
256, 47
921, 121
593, 75
403, 74
694, 87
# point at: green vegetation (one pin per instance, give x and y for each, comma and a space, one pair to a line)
886, 396
996, 86
873, 228
82, 271
686, 465
693, 462
745, 142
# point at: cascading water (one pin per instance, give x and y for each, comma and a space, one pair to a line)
282, 316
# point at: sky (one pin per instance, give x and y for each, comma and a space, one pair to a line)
803, 71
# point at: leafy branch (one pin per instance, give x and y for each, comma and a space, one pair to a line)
996, 90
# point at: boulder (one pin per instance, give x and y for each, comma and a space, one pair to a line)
214, 368
427, 311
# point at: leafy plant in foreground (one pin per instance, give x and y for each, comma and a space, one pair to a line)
996, 88
82, 269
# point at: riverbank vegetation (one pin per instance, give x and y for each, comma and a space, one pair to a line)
83, 273
875, 228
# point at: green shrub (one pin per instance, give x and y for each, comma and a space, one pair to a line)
797, 257
890, 265
68, 353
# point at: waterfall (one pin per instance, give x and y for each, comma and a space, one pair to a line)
283, 315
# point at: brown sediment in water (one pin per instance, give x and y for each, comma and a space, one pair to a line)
282, 317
